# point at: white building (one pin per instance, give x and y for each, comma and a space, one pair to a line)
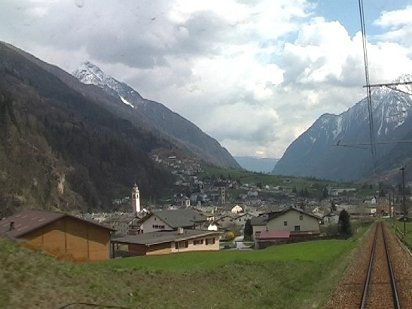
237, 209
135, 199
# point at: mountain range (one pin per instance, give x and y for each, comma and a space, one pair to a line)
67, 145
157, 118
255, 164
337, 147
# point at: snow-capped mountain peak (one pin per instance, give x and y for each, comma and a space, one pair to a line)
316, 153
155, 117
91, 74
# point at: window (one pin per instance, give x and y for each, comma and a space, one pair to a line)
198, 242
210, 241
285, 223
156, 226
297, 228
301, 217
181, 244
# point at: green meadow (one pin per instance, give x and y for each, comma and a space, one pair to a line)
300, 275
400, 228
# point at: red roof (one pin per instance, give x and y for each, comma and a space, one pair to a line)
273, 235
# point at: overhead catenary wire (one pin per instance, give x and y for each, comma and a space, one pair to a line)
359, 145
392, 86
368, 87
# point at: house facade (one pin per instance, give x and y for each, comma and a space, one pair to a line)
154, 223
331, 218
167, 242
290, 219
168, 220
60, 235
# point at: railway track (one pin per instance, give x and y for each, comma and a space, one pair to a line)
370, 281
380, 289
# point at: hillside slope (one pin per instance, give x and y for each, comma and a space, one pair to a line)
60, 149
278, 277
157, 117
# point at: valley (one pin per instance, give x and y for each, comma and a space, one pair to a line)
205, 154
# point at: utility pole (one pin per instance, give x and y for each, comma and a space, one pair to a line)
393, 207
403, 201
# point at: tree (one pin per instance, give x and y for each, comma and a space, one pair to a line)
344, 226
325, 193
332, 206
7, 114
248, 230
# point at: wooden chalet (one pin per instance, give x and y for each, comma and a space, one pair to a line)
58, 234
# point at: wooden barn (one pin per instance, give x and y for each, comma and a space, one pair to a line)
58, 234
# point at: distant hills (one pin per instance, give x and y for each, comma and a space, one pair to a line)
337, 147
255, 164
66, 145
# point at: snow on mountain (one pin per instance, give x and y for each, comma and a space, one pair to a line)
392, 107
336, 146
156, 117
126, 102
90, 74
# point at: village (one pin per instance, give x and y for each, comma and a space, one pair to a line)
204, 220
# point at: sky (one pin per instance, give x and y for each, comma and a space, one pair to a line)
253, 74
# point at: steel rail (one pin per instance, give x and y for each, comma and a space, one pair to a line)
395, 294
394, 287
368, 275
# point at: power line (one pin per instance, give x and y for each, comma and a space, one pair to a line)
389, 84
357, 145
368, 86
392, 86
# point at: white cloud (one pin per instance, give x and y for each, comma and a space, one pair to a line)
253, 74
398, 26
394, 19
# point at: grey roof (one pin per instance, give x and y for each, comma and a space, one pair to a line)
332, 213
261, 219
180, 217
160, 237
265, 218
31, 219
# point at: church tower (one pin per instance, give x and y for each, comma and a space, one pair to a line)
135, 199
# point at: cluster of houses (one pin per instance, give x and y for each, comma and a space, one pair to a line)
155, 232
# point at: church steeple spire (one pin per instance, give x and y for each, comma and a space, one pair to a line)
135, 199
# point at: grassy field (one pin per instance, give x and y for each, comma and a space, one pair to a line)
408, 228
301, 275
